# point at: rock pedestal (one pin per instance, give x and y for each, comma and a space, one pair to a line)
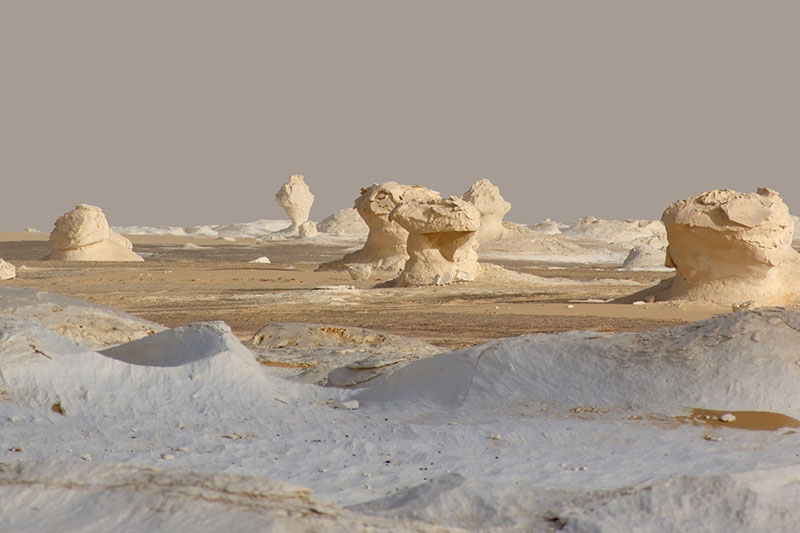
441, 241
296, 198
385, 249
730, 247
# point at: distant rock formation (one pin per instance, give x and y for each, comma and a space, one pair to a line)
731, 247
83, 234
546, 227
346, 222
441, 241
486, 197
7, 270
644, 257
296, 198
385, 249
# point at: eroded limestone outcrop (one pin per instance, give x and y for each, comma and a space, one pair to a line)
83, 234
730, 247
486, 197
295, 198
7, 270
385, 249
441, 241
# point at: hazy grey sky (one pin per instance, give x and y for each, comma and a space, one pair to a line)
196, 112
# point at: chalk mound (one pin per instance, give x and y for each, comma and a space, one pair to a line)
7, 270
749, 501
89, 325
523, 242
173, 367
441, 241
486, 197
296, 198
667, 371
346, 222
67, 496
385, 249
629, 231
644, 257
83, 234
729, 247
339, 356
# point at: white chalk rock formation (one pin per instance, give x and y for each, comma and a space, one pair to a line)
346, 222
307, 229
486, 197
441, 241
385, 249
731, 247
645, 258
295, 197
7, 270
83, 234
546, 227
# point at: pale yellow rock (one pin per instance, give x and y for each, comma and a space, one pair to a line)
487, 199
385, 249
296, 198
441, 241
729, 247
83, 234
7, 270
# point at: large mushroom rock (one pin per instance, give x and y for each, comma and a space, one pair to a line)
492, 207
296, 198
385, 249
441, 241
83, 234
729, 248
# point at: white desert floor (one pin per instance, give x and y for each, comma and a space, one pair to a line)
688, 428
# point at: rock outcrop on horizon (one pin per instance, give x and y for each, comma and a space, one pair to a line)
385, 250
644, 257
346, 222
295, 198
486, 197
730, 248
441, 241
83, 234
7, 270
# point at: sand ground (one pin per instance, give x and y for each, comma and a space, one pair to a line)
176, 286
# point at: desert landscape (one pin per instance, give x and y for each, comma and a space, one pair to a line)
414, 363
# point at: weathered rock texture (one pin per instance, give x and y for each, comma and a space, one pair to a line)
486, 197
385, 249
730, 247
296, 198
83, 234
441, 241
7, 270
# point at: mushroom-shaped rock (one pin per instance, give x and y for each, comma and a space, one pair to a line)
295, 197
492, 207
441, 241
729, 247
83, 234
7, 270
385, 249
